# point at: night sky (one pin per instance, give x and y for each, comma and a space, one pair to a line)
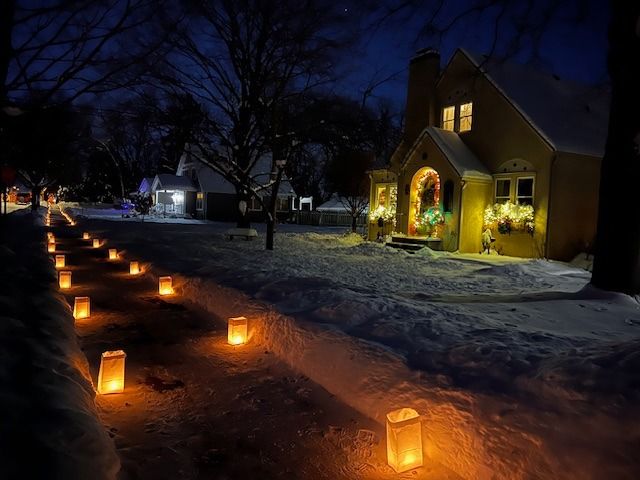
571, 49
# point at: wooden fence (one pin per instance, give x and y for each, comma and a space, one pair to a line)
327, 219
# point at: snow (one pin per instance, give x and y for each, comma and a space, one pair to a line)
520, 369
50, 422
458, 154
105, 212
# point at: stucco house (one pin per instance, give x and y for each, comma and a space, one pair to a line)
494, 145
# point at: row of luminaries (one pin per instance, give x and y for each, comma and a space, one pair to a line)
404, 431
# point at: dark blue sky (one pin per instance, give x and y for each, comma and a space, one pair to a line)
573, 49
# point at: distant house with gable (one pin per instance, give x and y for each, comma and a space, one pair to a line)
493, 145
198, 191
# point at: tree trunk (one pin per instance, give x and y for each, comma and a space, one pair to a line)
354, 224
617, 250
35, 198
271, 215
7, 11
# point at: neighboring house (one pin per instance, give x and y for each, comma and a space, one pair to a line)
215, 198
174, 194
493, 145
336, 204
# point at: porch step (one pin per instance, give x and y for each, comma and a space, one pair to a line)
413, 244
409, 247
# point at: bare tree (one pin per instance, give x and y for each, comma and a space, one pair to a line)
69, 48
244, 61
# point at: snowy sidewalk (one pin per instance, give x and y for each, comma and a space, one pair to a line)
518, 370
195, 407
49, 426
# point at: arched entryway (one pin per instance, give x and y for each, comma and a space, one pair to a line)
425, 215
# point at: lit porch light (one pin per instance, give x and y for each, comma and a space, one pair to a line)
60, 261
81, 307
111, 374
134, 268
165, 285
113, 254
237, 333
64, 279
404, 439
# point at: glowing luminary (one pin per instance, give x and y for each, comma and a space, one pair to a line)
404, 439
113, 254
134, 268
111, 374
81, 308
85, 236
51, 247
237, 333
64, 279
60, 261
96, 243
165, 286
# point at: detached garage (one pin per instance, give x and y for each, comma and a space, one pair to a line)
173, 194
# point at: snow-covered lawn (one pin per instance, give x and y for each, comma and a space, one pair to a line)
520, 369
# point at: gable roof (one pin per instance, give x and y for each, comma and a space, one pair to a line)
461, 158
571, 117
167, 181
211, 181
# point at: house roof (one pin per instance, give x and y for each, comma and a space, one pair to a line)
212, 181
167, 181
335, 205
145, 185
570, 117
461, 158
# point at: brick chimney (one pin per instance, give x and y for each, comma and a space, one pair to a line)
424, 69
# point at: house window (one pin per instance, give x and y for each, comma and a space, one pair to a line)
524, 190
381, 196
465, 116
199, 200
448, 117
503, 190
447, 196
254, 204
282, 205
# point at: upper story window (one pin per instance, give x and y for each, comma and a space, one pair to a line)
457, 118
465, 116
448, 117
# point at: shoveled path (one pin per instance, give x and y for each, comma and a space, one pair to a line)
195, 407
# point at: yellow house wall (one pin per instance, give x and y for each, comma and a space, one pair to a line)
499, 134
574, 205
378, 177
475, 196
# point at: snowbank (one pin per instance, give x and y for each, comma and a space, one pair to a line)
519, 370
50, 427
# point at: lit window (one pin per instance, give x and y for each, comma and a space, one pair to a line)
503, 190
448, 117
524, 190
381, 196
465, 116
199, 200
